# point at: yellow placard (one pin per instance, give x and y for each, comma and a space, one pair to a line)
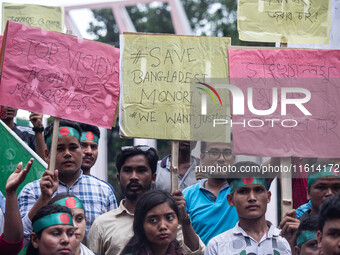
285, 21
164, 80
45, 17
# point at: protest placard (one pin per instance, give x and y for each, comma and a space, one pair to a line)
293, 21
45, 17
291, 100
59, 75
163, 81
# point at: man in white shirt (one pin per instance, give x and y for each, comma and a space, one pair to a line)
252, 234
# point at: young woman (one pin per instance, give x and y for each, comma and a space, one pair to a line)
53, 232
78, 215
155, 226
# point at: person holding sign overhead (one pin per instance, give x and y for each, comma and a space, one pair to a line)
33, 137
97, 197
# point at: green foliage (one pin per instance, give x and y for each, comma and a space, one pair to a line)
206, 17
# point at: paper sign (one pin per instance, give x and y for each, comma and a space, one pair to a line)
45, 17
59, 75
291, 102
293, 21
160, 90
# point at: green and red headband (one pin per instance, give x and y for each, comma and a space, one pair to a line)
305, 237
89, 136
64, 131
317, 174
239, 182
51, 220
70, 202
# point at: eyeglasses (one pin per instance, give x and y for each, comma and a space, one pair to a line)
215, 154
143, 148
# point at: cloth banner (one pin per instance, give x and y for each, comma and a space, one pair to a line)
59, 75
291, 102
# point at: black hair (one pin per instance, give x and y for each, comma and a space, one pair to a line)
146, 202
43, 211
308, 223
150, 154
86, 127
63, 123
329, 210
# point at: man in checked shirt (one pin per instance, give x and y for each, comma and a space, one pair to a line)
68, 177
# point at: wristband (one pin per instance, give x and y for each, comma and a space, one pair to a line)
38, 129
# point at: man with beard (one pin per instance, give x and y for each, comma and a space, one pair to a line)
207, 202
110, 232
186, 168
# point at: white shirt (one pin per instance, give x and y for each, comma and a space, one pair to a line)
237, 241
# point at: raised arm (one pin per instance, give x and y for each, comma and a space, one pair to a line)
13, 230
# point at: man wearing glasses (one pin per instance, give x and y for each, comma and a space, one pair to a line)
206, 201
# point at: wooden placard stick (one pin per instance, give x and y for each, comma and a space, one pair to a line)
54, 143
286, 186
174, 165
286, 179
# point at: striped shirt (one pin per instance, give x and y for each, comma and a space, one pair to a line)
96, 196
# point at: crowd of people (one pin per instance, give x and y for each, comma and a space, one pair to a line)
70, 211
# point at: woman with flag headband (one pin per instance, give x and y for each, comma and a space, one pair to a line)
79, 221
53, 232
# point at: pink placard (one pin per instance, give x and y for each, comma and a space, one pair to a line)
287, 130
59, 75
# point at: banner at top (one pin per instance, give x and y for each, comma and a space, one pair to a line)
45, 17
164, 84
59, 75
285, 21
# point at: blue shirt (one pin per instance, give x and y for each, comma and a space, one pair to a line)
209, 215
97, 198
303, 208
